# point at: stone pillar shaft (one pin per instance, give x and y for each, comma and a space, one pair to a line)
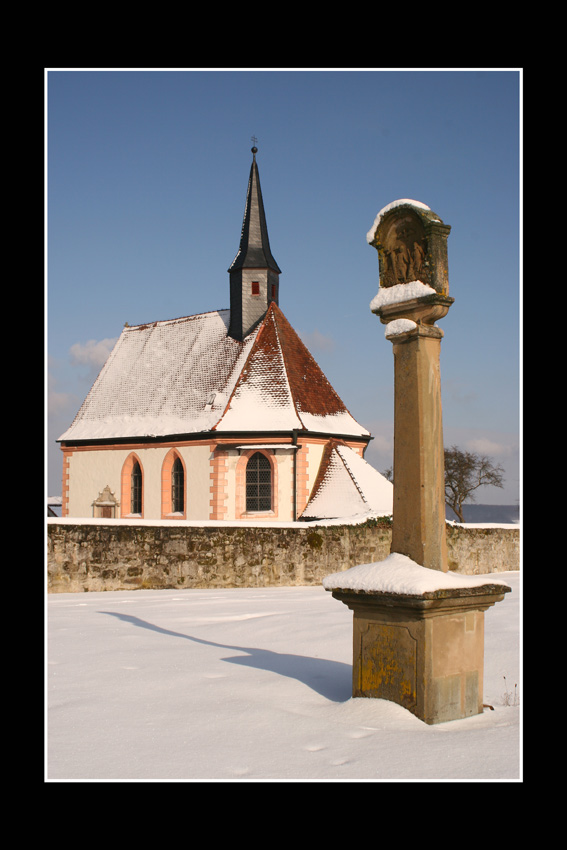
419, 480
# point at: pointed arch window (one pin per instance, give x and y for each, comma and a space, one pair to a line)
136, 489
173, 483
258, 483
132, 487
177, 487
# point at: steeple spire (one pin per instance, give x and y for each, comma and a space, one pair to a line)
254, 274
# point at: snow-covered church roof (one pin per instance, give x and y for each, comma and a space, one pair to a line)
348, 486
187, 376
238, 370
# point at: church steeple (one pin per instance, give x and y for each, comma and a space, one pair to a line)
254, 274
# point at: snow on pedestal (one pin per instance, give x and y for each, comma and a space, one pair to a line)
398, 574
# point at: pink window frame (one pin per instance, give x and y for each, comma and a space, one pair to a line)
166, 472
126, 485
241, 512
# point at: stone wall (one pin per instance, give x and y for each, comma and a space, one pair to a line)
475, 550
97, 556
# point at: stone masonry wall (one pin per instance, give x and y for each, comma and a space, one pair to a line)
475, 550
114, 556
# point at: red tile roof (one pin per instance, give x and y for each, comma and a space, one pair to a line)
282, 386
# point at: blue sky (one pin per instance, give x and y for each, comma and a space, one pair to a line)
146, 184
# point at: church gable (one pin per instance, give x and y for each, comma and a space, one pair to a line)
314, 398
281, 387
262, 399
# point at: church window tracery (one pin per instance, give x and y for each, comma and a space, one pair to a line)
258, 483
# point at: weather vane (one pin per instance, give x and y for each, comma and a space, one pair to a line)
254, 140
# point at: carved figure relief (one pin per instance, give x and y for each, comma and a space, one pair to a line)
403, 251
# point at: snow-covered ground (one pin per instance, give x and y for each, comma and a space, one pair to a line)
253, 685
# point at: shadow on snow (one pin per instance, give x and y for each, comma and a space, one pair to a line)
331, 679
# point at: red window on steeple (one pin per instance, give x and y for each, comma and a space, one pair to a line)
255, 287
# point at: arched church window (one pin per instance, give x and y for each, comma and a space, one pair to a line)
258, 483
177, 487
173, 482
136, 489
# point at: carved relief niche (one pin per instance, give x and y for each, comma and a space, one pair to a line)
403, 249
106, 504
411, 241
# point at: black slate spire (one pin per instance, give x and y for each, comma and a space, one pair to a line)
254, 250
254, 274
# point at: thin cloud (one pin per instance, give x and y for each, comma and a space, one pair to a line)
93, 353
484, 446
316, 341
58, 401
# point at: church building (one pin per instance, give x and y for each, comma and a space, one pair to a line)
223, 415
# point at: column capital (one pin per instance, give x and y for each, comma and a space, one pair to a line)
397, 335
423, 310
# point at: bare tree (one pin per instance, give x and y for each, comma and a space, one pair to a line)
464, 473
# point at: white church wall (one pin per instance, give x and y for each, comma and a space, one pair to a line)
313, 463
89, 473
198, 481
284, 461
232, 459
151, 461
91, 470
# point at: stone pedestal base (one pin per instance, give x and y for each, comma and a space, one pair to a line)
425, 653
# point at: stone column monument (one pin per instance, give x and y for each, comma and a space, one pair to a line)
418, 631
414, 292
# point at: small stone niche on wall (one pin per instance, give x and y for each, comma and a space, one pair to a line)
106, 505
